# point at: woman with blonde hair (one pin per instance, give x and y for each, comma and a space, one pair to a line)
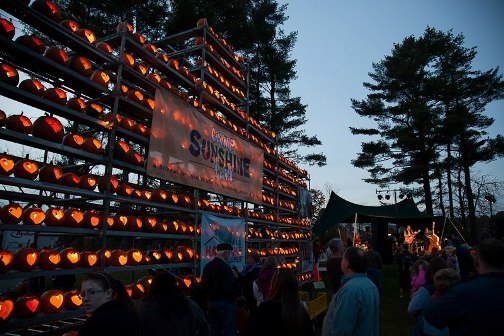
282, 313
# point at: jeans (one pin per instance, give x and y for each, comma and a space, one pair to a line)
222, 318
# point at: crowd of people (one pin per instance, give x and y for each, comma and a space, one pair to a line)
450, 293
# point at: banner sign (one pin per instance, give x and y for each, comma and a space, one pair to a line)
188, 148
216, 230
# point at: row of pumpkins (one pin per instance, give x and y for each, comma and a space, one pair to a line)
54, 301
27, 259
275, 251
266, 233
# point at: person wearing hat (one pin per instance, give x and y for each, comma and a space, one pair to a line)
218, 285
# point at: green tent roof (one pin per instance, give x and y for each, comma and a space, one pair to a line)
339, 210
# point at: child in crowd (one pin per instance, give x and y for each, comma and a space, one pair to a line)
418, 275
444, 279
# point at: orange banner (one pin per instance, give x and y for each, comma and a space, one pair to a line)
188, 148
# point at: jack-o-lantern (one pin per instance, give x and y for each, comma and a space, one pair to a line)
70, 180
55, 217
6, 261
7, 29
70, 258
135, 158
123, 89
92, 145
127, 123
135, 96
70, 25
186, 253
125, 190
51, 301
73, 217
167, 255
149, 103
172, 198
72, 300
48, 128
48, 8
49, 259
81, 65
88, 182
184, 200
128, 59
118, 257
172, 226
33, 216
55, 95
149, 223
6, 309
105, 47
120, 222
153, 76
88, 259
139, 38
33, 86
92, 220
163, 57
155, 256
57, 55
142, 130
141, 68
26, 259
162, 227
32, 42
134, 223
95, 110
87, 35
106, 254
19, 123
50, 174
26, 306
146, 281
125, 27
9, 74
77, 104
135, 257
159, 196
73, 140
121, 150
135, 290
26, 168
181, 227
101, 77
105, 181
6, 165
151, 48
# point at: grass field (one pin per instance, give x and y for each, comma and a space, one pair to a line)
394, 317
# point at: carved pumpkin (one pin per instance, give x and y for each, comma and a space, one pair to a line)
105, 254
181, 227
19, 123
127, 123
25, 259
33, 216
172, 198
50, 174
121, 150
95, 110
51, 301
48, 128
6, 261
88, 182
139, 38
118, 257
120, 222
125, 26
33, 86
55, 95
92, 220
57, 55
26, 168
70, 258
32, 42
105, 47
70, 25
135, 257
73, 140
77, 104
103, 181
149, 103
49, 259
55, 217
141, 130
92, 145
162, 227
87, 35
6, 165
151, 48
163, 57
88, 259
26, 306
155, 256
101, 77
123, 89
124, 190
146, 281
141, 68
153, 76
72, 300
149, 223
73, 217
48, 8
135, 158
159, 196
135, 96
6, 309
81, 65
135, 290
7, 29
172, 226
134, 223
70, 180
9, 74
184, 200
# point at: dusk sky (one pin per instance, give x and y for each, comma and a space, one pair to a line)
337, 43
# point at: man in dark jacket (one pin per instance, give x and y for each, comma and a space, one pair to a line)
474, 307
218, 284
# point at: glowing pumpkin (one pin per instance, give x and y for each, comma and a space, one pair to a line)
6, 165
48, 128
7, 28
48, 8
70, 180
70, 25
73, 217
6, 261
105, 181
88, 182
149, 223
26, 306
92, 220
50, 174
48, 259
6, 309
32, 42
33, 216
81, 65
87, 35
124, 27
72, 300
55, 217
88, 259
135, 257
55, 95
26, 169
124, 190
70, 258
101, 77
92, 145
56, 54
73, 140
105, 47
33, 86
118, 257
9, 74
26, 259
77, 104
139, 38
